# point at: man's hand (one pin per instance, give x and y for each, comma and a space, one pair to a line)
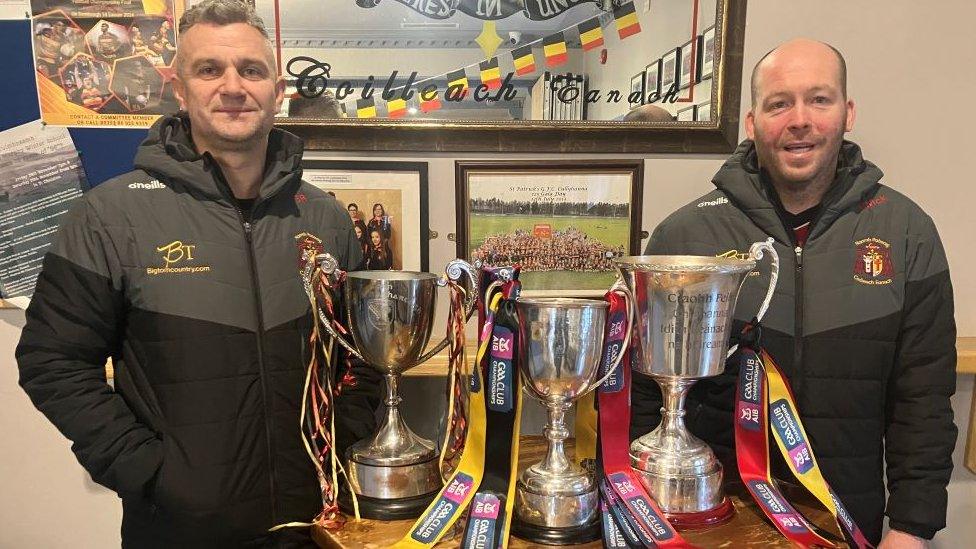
900, 540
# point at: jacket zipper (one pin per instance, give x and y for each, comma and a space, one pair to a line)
798, 310
259, 311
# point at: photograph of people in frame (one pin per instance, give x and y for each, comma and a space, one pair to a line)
562, 225
387, 204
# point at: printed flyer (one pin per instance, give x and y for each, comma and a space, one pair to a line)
104, 63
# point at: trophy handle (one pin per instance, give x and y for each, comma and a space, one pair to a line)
455, 269
329, 266
756, 252
620, 287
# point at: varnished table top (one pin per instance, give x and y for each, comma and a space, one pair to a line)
747, 529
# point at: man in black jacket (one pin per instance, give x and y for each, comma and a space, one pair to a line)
862, 319
186, 273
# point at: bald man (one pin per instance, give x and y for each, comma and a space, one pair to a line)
862, 319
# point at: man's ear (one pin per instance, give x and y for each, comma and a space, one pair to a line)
849, 122
179, 90
279, 92
750, 125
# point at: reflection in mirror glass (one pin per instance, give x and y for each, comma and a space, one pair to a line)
497, 60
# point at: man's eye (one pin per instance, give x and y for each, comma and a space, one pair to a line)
253, 72
207, 71
820, 99
776, 105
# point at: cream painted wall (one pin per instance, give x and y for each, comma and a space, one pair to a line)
908, 74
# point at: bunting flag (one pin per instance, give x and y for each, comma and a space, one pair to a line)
491, 75
458, 78
524, 60
365, 108
396, 108
626, 18
590, 33
429, 101
554, 47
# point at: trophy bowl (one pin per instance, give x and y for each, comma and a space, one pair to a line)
559, 355
684, 312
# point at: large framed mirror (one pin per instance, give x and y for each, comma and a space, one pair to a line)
511, 75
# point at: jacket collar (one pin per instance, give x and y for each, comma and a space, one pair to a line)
740, 179
168, 152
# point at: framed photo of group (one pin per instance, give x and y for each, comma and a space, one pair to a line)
387, 202
563, 221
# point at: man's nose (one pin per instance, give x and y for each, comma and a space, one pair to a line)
800, 117
231, 83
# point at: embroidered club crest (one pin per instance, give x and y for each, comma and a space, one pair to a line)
872, 261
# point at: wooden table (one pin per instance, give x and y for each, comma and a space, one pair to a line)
748, 528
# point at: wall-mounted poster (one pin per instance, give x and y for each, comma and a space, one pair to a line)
387, 203
563, 222
42, 176
686, 114
105, 63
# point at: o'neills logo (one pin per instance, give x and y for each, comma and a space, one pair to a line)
872, 262
152, 184
717, 202
176, 255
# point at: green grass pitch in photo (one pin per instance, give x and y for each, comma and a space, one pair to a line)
612, 231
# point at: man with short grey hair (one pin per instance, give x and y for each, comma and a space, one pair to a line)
862, 319
185, 272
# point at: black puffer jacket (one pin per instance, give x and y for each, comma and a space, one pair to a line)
861, 323
207, 323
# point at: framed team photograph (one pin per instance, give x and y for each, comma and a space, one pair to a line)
563, 222
652, 80
686, 114
636, 87
706, 54
703, 112
387, 203
670, 67
687, 65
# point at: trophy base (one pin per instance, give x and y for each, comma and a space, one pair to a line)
394, 482
385, 509
679, 471
557, 536
712, 517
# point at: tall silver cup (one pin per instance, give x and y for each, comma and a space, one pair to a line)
684, 311
390, 316
561, 343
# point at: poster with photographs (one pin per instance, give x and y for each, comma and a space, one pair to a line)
387, 203
104, 63
563, 222
43, 176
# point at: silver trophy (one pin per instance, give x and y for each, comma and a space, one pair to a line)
561, 343
684, 310
395, 472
